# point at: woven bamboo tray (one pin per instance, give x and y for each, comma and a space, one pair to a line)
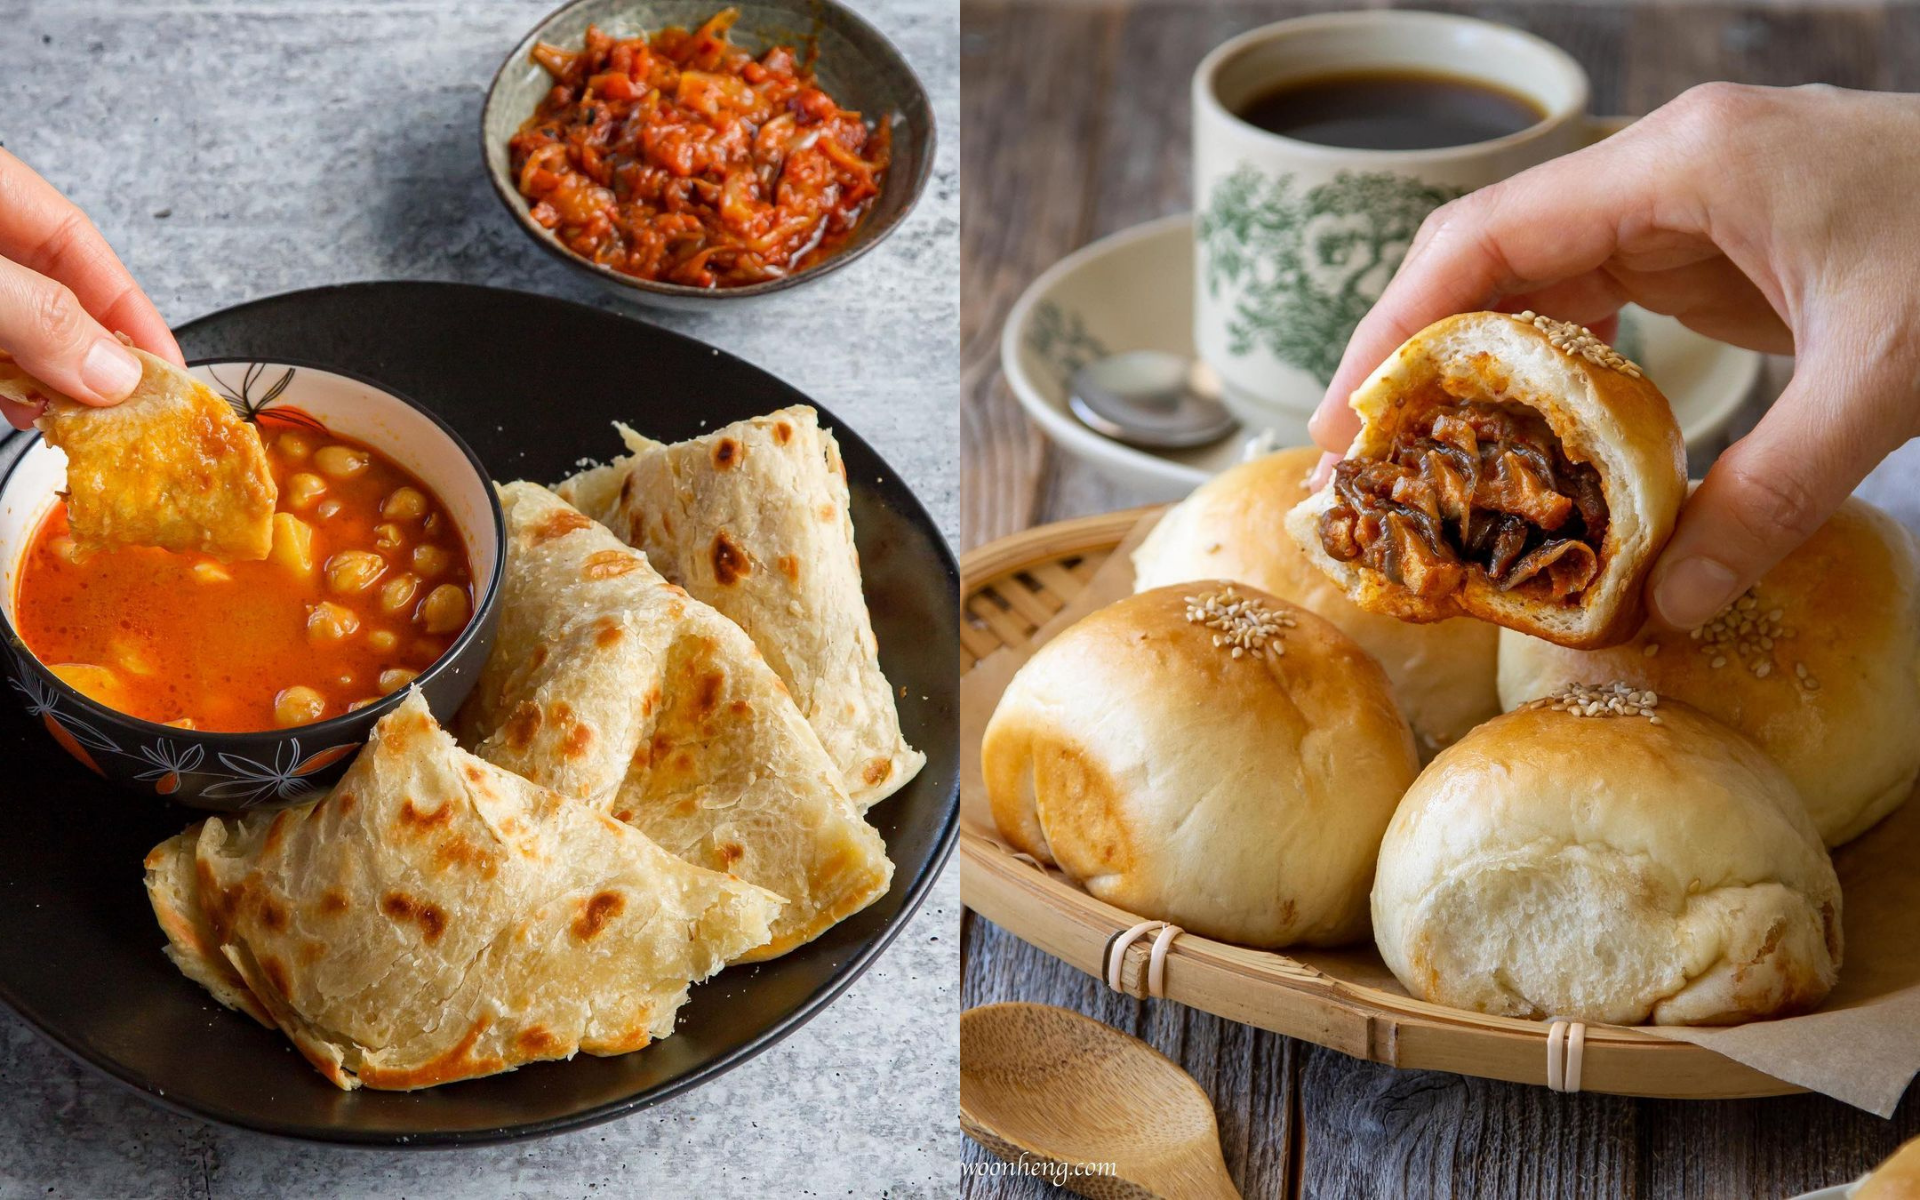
1346, 999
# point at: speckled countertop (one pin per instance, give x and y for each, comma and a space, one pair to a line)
231, 149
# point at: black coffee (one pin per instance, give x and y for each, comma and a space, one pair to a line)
1391, 110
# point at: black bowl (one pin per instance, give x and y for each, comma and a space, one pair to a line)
857, 66
234, 772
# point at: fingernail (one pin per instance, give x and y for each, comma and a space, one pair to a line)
109, 370
1691, 591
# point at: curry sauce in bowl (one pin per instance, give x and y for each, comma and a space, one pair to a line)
234, 684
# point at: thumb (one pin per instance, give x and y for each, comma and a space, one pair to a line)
1774, 488
51, 336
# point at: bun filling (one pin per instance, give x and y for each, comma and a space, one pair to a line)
1472, 486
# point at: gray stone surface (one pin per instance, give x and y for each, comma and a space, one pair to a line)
232, 149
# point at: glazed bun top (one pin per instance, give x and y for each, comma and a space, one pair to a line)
1819, 664
1234, 527
1204, 754
1608, 856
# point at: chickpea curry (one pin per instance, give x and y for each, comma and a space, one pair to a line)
685, 159
366, 584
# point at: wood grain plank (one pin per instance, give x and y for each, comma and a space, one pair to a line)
1025, 172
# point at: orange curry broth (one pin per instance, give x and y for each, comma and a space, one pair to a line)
687, 160
171, 637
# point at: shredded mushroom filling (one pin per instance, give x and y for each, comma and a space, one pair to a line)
1473, 486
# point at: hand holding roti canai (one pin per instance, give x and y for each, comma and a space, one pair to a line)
638, 798
1642, 838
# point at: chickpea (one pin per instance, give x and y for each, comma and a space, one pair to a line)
445, 609
353, 571
329, 508
394, 678
304, 488
182, 723
431, 560
396, 596
294, 447
405, 504
341, 462
129, 657
388, 536
95, 683
383, 641
211, 572
65, 548
357, 705
298, 705
330, 622
433, 523
292, 544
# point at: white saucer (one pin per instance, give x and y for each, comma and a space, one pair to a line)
1133, 290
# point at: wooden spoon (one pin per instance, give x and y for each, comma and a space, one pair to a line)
1058, 1090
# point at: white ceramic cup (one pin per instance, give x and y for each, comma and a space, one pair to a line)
1294, 240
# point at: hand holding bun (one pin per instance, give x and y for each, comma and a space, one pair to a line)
1206, 755
1510, 468
1605, 856
1818, 663
1231, 528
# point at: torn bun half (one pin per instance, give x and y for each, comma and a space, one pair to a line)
1510, 468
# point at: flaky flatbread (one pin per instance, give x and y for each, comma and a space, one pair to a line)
172, 465
436, 918
753, 519
612, 685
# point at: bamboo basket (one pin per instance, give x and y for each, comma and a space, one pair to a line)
1345, 1000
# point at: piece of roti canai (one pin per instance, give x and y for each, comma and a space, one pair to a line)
609, 684
172, 465
437, 918
753, 519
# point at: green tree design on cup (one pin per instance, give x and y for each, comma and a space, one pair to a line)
1306, 265
1294, 240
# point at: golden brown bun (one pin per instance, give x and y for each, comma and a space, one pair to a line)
1233, 527
1241, 798
1615, 420
1845, 732
1608, 868
1898, 1178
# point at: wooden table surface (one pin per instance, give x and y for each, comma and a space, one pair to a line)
1075, 125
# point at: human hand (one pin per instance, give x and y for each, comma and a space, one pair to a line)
1782, 220
63, 295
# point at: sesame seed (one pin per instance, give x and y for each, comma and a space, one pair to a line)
1745, 631
1652, 649
1242, 626
1614, 699
1719, 660
1572, 339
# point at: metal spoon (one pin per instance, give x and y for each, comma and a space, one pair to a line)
1151, 399
1050, 1088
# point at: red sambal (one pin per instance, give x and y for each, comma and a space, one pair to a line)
684, 159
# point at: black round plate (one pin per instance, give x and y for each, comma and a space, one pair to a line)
532, 383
